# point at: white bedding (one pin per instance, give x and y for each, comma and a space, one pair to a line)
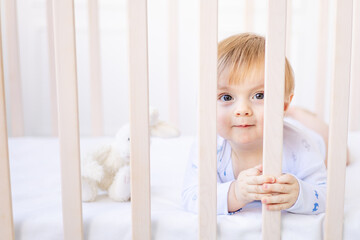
36, 191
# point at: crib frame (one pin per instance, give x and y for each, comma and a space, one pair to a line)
65, 64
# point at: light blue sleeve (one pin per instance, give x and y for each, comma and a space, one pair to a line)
190, 199
308, 167
311, 199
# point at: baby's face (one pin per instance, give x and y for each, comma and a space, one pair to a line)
240, 112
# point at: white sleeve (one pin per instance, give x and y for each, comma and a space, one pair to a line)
189, 194
311, 199
310, 171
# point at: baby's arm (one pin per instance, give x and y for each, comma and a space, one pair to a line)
190, 198
248, 188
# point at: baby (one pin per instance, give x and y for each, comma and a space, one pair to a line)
240, 120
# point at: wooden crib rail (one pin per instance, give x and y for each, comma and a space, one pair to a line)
354, 121
95, 70
66, 77
322, 57
274, 106
13, 63
51, 60
338, 132
173, 66
207, 119
139, 119
6, 217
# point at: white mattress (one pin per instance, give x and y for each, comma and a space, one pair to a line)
36, 191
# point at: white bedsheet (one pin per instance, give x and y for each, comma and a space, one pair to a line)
36, 191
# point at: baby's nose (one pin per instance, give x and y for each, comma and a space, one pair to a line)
242, 110
241, 113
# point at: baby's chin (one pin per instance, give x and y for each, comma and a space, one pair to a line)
246, 143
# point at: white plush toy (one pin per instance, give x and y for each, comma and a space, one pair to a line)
107, 168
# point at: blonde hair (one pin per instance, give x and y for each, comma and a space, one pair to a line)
243, 56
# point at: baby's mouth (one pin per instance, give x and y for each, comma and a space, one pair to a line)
243, 125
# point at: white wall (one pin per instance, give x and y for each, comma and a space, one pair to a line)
113, 30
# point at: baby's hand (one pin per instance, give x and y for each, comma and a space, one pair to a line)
248, 185
284, 193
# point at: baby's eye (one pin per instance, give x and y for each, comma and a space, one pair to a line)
259, 96
226, 98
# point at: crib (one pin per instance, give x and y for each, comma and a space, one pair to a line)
38, 201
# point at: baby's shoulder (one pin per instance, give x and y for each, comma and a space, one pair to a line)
302, 143
297, 136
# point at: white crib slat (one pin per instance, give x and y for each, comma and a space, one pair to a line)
274, 106
173, 75
322, 56
66, 77
6, 217
13, 62
95, 70
139, 119
338, 127
354, 121
207, 119
51, 60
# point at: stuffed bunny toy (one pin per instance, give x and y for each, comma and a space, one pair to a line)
108, 167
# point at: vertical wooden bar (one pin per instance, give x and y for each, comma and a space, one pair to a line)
322, 56
65, 58
274, 106
338, 127
95, 70
207, 119
51, 60
13, 63
354, 121
6, 216
139, 119
173, 75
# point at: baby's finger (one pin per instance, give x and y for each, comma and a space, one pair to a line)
252, 172
258, 196
256, 180
276, 199
255, 189
276, 187
286, 178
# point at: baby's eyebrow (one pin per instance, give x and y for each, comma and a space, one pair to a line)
261, 86
223, 87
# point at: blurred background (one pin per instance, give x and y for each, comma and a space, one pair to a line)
234, 16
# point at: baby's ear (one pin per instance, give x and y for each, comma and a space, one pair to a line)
287, 102
164, 130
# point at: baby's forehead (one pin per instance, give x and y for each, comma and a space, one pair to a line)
250, 79
246, 85
241, 74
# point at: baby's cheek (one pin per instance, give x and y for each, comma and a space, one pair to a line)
221, 124
261, 121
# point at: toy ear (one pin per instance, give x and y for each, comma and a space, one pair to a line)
164, 130
153, 116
